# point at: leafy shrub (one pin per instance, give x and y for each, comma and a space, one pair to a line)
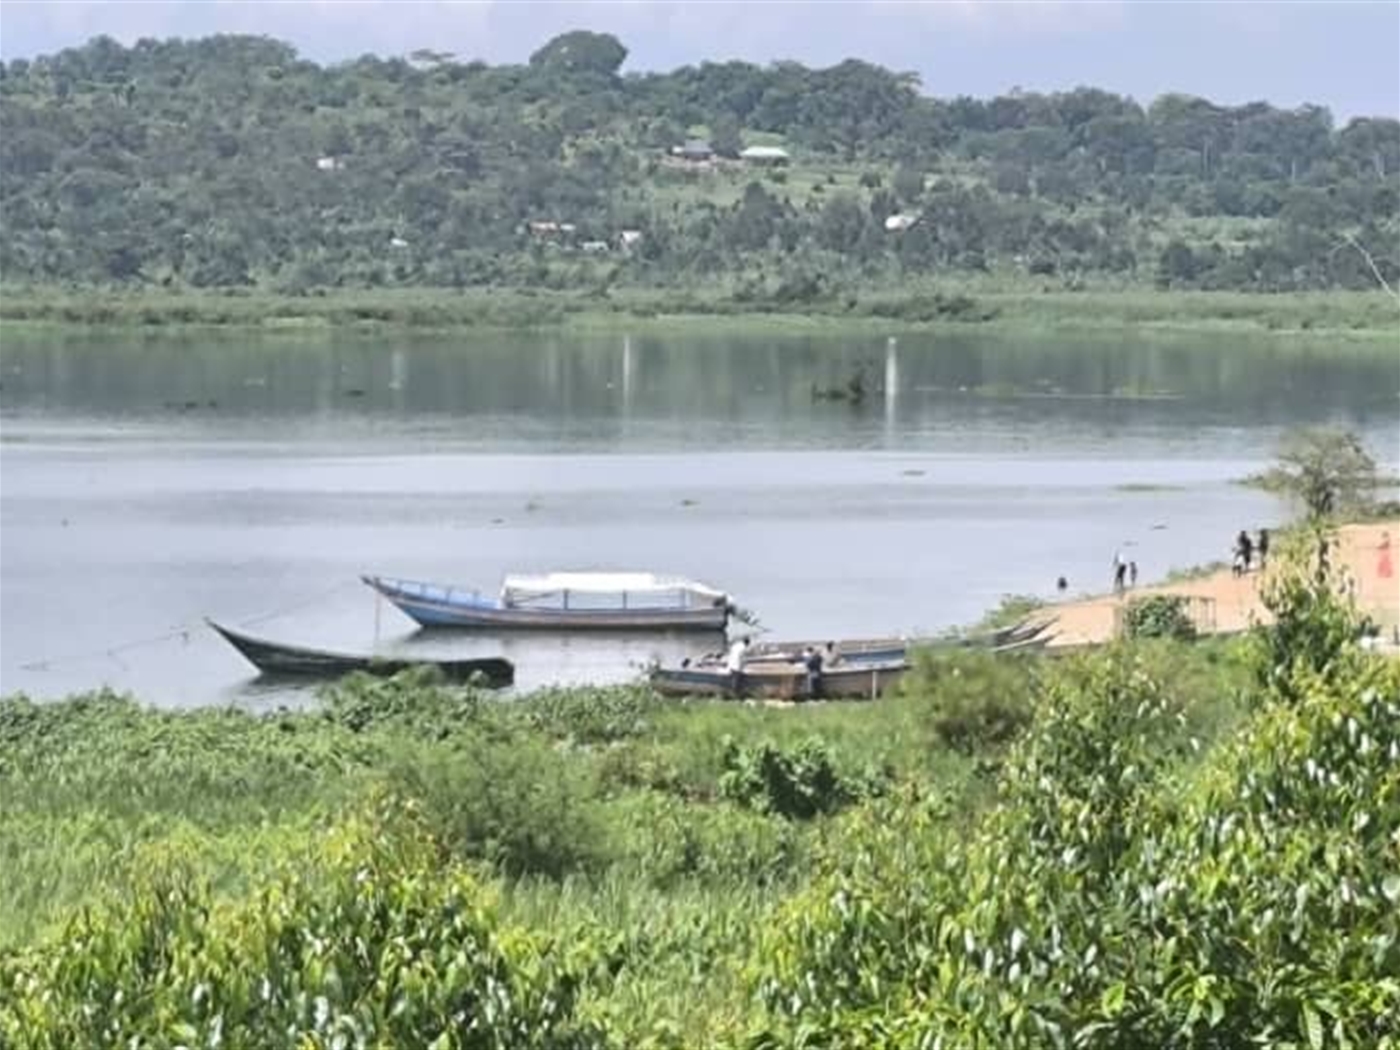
507, 799
668, 841
1313, 629
416, 699
589, 715
974, 700
369, 943
1109, 902
1159, 616
800, 784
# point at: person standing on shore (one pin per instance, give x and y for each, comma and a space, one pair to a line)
1132, 574
1263, 547
1384, 568
734, 664
1245, 548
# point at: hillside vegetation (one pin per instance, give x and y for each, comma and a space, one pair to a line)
1164, 844
231, 163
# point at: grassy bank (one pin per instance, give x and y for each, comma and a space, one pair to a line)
957, 303
412, 864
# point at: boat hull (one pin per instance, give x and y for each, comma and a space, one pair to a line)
277, 660
767, 683
861, 680
781, 681
871, 650
444, 607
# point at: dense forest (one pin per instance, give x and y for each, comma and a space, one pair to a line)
230, 162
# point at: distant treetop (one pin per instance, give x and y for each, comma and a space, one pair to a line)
582, 50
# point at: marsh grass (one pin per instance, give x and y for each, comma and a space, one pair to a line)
991, 302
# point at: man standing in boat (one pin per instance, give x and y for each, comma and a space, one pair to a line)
812, 660
734, 664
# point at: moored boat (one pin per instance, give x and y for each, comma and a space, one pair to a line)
780, 680
860, 679
864, 650
573, 600
763, 680
278, 659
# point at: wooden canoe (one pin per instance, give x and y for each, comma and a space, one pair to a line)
768, 681
277, 659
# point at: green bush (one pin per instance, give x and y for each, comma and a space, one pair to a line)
1110, 901
974, 701
589, 715
798, 784
1159, 616
367, 942
507, 799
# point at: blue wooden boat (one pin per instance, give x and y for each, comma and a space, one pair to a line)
628, 601
276, 659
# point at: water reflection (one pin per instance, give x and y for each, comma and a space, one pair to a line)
567, 386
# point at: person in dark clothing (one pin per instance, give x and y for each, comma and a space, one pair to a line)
813, 660
1245, 546
1062, 585
1119, 572
1263, 547
1132, 574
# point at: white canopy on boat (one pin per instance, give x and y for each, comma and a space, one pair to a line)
524, 587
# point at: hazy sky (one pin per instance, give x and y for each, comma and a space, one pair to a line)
1344, 55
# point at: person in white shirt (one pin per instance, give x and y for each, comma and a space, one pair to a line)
734, 664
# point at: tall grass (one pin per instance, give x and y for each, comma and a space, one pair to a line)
1001, 302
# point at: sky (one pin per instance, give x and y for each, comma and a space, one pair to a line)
1342, 54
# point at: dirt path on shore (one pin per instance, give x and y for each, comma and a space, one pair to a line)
1226, 602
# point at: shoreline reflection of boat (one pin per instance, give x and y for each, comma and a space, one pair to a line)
276, 659
617, 601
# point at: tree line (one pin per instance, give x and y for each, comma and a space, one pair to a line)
230, 161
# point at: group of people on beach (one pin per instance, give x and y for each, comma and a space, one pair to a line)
1247, 552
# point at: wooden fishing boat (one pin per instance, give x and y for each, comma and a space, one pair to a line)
774, 680
861, 679
625, 601
764, 680
277, 659
1024, 636
865, 650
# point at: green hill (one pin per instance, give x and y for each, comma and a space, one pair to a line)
230, 162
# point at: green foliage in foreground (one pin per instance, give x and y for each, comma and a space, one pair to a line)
1166, 844
1159, 616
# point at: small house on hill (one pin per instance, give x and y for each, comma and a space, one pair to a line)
694, 150
769, 155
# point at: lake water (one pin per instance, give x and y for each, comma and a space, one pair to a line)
145, 484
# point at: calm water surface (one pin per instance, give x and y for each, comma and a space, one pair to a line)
147, 484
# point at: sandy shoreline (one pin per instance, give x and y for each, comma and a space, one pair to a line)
1225, 603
